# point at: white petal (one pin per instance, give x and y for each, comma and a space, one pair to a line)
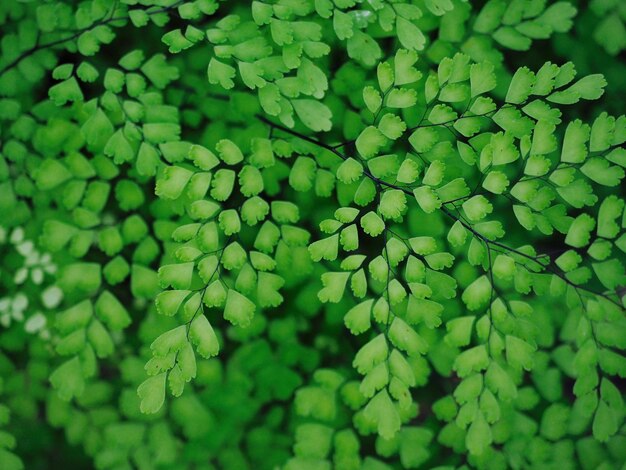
17, 235
20, 275
37, 275
51, 297
35, 323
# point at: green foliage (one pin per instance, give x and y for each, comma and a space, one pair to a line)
312, 234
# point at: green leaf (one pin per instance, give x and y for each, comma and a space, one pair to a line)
172, 182
158, 72
599, 170
477, 208
427, 199
579, 232
168, 302
401, 98
471, 360
478, 293
313, 114
228, 152
482, 78
409, 35
441, 114
610, 273
170, 341
357, 319
479, 436
391, 126
370, 355
372, 224
512, 39
100, 339
404, 71
590, 87
112, 312
363, 48
152, 393
334, 286
51, 174
68, 379
521, 86
605, 422
67, 90
372, 98
370, 141
408, 172
405, 338
504, 267
519, 354
239, 310
423, 139
343, 24
221, 74
349, 171
575, 142
495, 182
544, 141
381, 411
392, 204
326, 248
602, 133
610, 210
459, 331
202, 335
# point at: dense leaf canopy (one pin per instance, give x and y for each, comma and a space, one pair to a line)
312, 234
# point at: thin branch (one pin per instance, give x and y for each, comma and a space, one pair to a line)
111, 19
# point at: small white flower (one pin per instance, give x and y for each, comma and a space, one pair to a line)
13, 309
36, 264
